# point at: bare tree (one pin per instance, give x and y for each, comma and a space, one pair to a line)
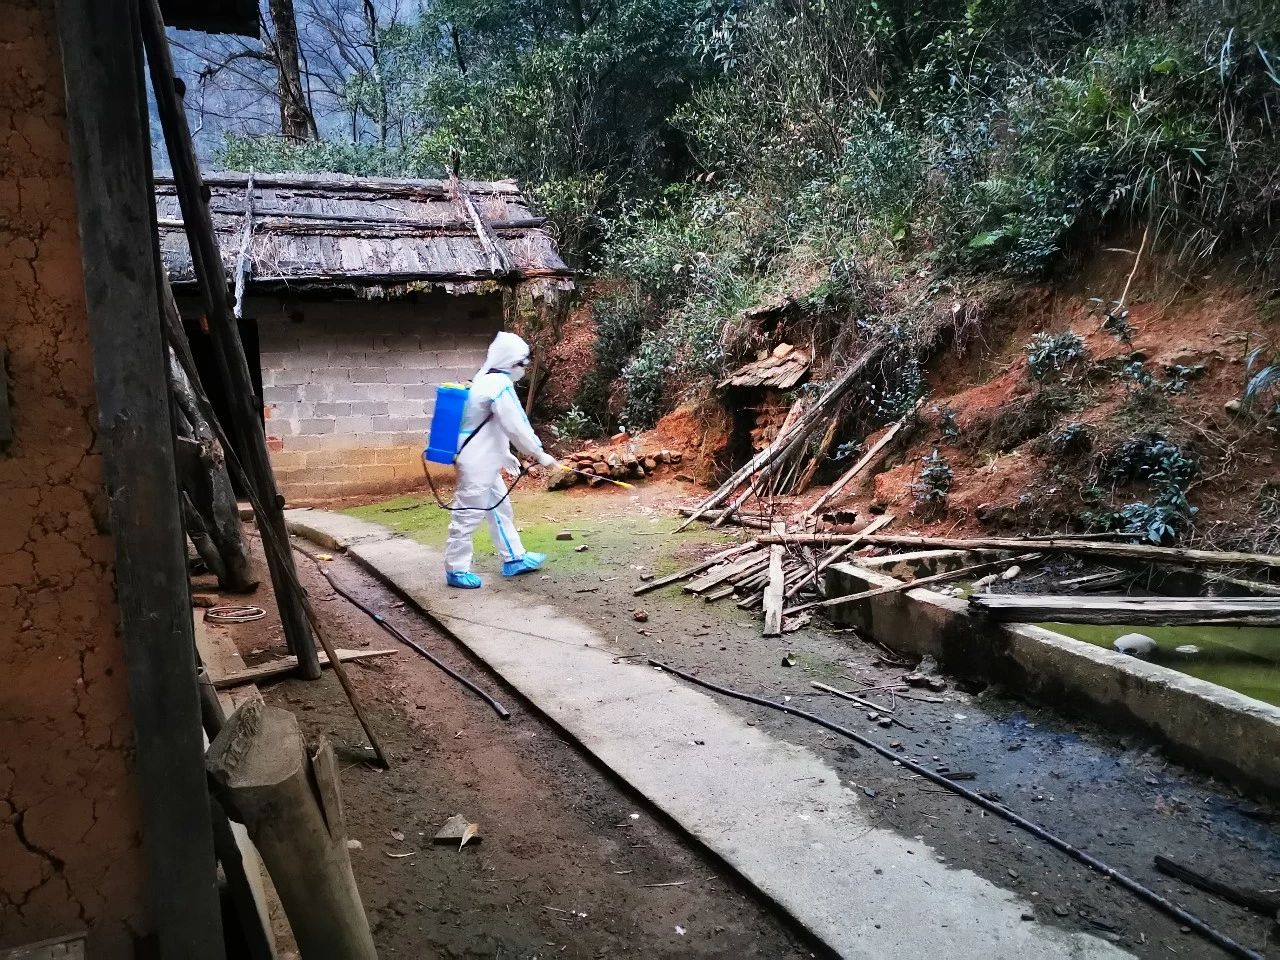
297, 122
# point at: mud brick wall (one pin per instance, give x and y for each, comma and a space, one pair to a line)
348, 386
70, 837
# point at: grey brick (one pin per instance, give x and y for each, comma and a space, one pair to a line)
332, 409
282, 394
405, 408
314, 427
419, 391
409, 375
370, 408
284, 378
315, 391
368, 375
353, 424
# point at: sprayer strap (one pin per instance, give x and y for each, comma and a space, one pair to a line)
472, 435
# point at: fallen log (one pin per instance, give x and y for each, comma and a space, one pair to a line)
288, 665
1131, 551
918, 582
1136, 611
697, 568
863, 462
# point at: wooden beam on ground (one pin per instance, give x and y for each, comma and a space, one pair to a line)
697, 568
1143, 611
730, 571
107, 131
863, 462
918, 582
285, 666
773, 593
1130, 551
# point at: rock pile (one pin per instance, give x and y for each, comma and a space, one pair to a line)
616, 464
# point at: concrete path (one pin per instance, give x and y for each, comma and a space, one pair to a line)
773, 811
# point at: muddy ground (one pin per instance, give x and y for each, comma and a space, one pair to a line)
570, 863
1111, 793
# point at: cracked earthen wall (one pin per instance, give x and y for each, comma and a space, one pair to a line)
70, 837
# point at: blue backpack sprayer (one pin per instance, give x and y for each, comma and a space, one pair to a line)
446, 430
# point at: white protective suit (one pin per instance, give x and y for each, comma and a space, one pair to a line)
480, 483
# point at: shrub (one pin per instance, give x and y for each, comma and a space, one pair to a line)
930, 489
1049, 355
1168, 471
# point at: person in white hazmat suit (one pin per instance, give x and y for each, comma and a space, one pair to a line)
492, 422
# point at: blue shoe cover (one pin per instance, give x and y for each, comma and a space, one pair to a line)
526, 564
464, 580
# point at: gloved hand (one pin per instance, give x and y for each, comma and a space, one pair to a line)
547, 460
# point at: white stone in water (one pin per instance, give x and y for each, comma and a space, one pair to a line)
1189, 649
1011, 572
986, 581
1135, 644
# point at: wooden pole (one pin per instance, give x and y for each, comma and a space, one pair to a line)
289, 800
1131, 551
206, 259
881, 521
107, 132
918, 582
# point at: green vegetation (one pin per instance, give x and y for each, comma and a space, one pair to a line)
930, 489
856, 160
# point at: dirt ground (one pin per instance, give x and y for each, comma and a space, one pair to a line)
1108, 791
570, 864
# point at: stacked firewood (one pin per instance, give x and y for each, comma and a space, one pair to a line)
594, 466
770, 417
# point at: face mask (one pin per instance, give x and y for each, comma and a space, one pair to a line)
517, 372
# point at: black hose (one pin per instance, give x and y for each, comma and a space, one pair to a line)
382, 621
1093, 863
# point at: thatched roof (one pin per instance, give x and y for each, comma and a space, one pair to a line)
376, 237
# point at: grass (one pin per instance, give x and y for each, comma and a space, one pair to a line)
608, 524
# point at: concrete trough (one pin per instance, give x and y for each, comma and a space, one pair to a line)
1201, 723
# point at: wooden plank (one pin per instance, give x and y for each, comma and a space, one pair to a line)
1131, 551
863, 462
911, 585
697, 568
729, 571
107, 130
1147, 611
773, 593
284, 666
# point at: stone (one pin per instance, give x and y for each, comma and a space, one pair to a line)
564, 535
581, 548
1135, 644
1232, 406
561, 479
639, 616
1187, 649
1011, 573
457, 827
986, 581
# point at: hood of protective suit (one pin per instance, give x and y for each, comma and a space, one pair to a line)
504, 353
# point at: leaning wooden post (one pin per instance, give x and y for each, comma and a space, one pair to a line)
289, 801
206, 259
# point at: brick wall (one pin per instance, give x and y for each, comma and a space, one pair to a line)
348, 385
70, 819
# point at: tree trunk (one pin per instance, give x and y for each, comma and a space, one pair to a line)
207, 487
296, 120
